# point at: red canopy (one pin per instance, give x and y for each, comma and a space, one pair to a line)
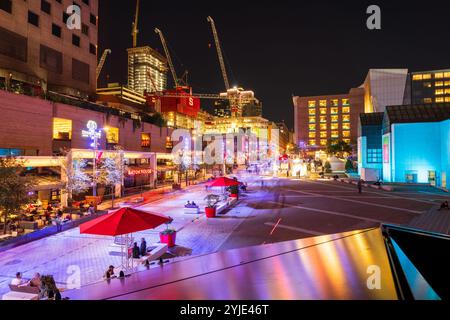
223, 182
123, 221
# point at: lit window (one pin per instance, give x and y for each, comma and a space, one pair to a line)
447, 99
439, 84
347, 141
446, 74
323, 127
312, 127
334, 110
346, 110
323, 134
62, 129
427, 100
323, 119
334, 134
447, 83
439, 99
439, 91
334, 126
112, 135
438, 75
145, 140
312, 134
323, 142
426, 76
345, 102
346, 134
335, 102
346, 126
334, 118
447, 91
312, 119
323, 103
417, 77
346, 118
427, 85
312, 142
323, 110
311, 104
312, 111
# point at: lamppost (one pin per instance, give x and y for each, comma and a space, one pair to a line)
94, 135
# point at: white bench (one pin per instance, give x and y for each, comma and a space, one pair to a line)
232, 201
193, 210
156, 253
15, 295
221, 206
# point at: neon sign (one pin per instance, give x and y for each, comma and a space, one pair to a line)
139, 171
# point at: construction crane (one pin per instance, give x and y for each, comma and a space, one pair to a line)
102, 62
169, 59
219, 52
155, 89
135, 30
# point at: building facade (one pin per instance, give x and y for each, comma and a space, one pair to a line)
428, 87
39, 52
147, 70
320, 119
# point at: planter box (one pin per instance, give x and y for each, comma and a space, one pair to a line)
168, 239
234, 195
210, 212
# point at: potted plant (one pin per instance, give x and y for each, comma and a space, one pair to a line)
234, 191
169, 235
211, 201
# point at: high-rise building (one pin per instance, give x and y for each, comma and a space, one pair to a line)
222, 108
143, 63
320, 119
38, 51
240, 99
427, 87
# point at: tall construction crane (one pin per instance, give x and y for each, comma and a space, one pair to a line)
169, 59
135, 30
219, 52
102, 62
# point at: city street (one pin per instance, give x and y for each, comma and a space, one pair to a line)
273, 210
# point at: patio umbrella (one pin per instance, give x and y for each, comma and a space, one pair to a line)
121, 222
223, 182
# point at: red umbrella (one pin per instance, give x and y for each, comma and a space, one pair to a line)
223, 182
123, 221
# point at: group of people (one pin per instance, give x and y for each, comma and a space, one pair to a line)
49, 290
190, 204
139, 251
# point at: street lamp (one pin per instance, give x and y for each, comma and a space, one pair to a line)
94, 135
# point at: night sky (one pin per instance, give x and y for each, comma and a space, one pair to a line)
280, 48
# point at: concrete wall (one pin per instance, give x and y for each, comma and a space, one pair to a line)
27, 122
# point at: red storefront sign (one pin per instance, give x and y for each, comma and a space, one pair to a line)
134, 172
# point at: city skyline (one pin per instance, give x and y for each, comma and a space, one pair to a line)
309, 49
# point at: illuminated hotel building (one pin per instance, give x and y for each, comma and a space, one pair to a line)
319, 119
143, 61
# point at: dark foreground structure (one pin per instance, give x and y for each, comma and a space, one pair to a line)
386, 263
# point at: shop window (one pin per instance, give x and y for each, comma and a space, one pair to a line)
323, 110
334, 134
346, 118
312, 127
323, 126
345, 102
312, 135
374, 155
145, 140
346, 134
334, 118
62, 129
323, 103
323, 134
323, 119
311, 104
323, 142
312, 119
112, 135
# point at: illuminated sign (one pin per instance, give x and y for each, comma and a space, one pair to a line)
134, 172
92, 132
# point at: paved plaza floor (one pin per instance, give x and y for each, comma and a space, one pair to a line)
272, 210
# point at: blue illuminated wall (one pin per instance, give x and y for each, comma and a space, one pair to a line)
417, 149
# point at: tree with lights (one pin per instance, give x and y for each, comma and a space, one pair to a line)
110, 174
77, 179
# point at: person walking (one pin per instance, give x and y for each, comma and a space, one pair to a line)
143, 247
360, 186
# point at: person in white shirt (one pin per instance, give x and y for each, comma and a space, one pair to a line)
17, 281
